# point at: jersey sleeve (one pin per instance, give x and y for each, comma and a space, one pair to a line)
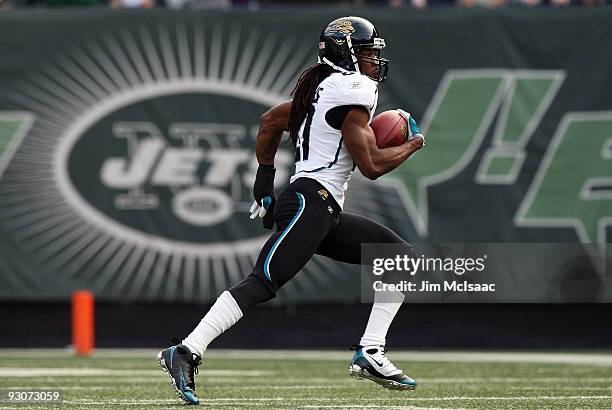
356, 89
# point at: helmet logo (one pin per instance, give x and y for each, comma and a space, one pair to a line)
343, 26
338, 41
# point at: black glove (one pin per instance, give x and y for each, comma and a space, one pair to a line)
263, 191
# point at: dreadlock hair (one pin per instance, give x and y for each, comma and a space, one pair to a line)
303, 93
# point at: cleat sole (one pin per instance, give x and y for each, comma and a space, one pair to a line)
361, 374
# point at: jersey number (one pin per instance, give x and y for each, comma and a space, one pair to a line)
304, 143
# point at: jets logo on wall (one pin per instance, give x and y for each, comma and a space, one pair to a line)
136, 177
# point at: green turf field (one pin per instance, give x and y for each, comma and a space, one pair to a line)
303, 379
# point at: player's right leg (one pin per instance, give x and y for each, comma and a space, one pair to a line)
370, 360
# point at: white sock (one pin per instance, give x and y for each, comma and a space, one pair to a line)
221, 316
384, 309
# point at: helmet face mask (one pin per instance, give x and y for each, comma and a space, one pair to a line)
344, 39
381, 64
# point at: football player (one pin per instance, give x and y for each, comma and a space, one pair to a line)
328, 122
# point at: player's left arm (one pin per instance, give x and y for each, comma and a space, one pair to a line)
272, 123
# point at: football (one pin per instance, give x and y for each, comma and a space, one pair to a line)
390, 129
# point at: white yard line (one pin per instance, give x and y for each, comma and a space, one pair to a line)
534, 379
114, 388
601, 359
92, 371
338, 400
281, 382
446, 356
351, 406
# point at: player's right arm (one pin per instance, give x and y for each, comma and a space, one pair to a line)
361, 143
271, 126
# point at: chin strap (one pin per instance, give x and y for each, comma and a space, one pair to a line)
351, 52
335, 67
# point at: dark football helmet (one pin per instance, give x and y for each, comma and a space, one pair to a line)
343, 39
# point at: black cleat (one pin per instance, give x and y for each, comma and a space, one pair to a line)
181, 365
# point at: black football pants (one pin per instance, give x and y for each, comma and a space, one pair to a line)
308, 222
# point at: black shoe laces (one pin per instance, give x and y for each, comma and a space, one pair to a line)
196, 361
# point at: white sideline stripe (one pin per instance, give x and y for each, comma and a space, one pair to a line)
599, 359
78, 387
263, 404
299, 382
347, 381
107, 383
535, 379
259, 387
324, 399
351, 406
443, 356
89, 371
221, 376
564, 388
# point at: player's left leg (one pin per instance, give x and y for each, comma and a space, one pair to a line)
303, 218
344, 245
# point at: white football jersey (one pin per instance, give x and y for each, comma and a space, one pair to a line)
320, 150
